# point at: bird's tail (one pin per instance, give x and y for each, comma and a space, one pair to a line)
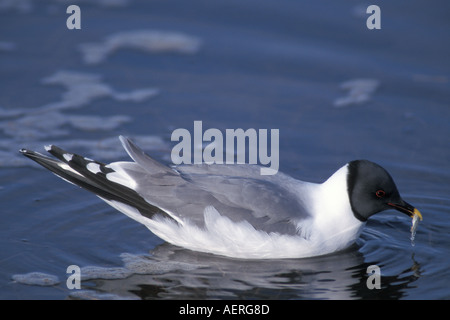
92, 176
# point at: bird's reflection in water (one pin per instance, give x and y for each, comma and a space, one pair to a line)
170, 272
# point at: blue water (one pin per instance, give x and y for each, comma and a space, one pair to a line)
335, 90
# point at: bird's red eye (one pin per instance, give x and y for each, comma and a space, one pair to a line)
380, 193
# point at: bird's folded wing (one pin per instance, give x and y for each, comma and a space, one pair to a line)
237, 192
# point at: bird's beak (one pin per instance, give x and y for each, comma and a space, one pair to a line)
406, 208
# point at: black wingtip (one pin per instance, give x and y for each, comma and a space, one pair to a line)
30, 153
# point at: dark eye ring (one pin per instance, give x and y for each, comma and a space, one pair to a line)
380, 193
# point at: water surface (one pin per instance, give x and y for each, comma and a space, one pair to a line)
335, 90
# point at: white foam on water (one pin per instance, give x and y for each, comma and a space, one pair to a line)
36, 279
151, 41
90, 123
107, 149
54, 124
94, 295
83, 88
359, 91
143, 265
47, 124
95, 272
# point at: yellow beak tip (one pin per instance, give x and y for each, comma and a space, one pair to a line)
417, 213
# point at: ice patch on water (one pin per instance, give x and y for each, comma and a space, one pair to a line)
151, 41
36, 279
359, 91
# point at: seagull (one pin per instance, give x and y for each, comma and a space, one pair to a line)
231, 209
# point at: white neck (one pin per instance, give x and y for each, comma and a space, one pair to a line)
335, 221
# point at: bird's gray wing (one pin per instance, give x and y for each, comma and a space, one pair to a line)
238, 192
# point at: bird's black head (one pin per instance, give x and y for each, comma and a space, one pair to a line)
371, 189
